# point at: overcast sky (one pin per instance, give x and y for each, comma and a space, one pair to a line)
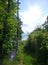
33, 13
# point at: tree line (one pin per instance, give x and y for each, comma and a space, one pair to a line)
37, 45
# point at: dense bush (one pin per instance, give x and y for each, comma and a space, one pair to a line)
37, 46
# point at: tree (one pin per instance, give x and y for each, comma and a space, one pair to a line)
37, 46
19, 29
45, 25
8, 26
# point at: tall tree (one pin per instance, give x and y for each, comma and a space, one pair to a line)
19, 30
8, 26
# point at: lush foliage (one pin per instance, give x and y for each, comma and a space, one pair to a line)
10, 27
37, 45
33, 51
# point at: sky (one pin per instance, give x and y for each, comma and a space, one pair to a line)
33, 13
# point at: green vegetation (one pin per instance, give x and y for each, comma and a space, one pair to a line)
10, 27
37, 45
33, 51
